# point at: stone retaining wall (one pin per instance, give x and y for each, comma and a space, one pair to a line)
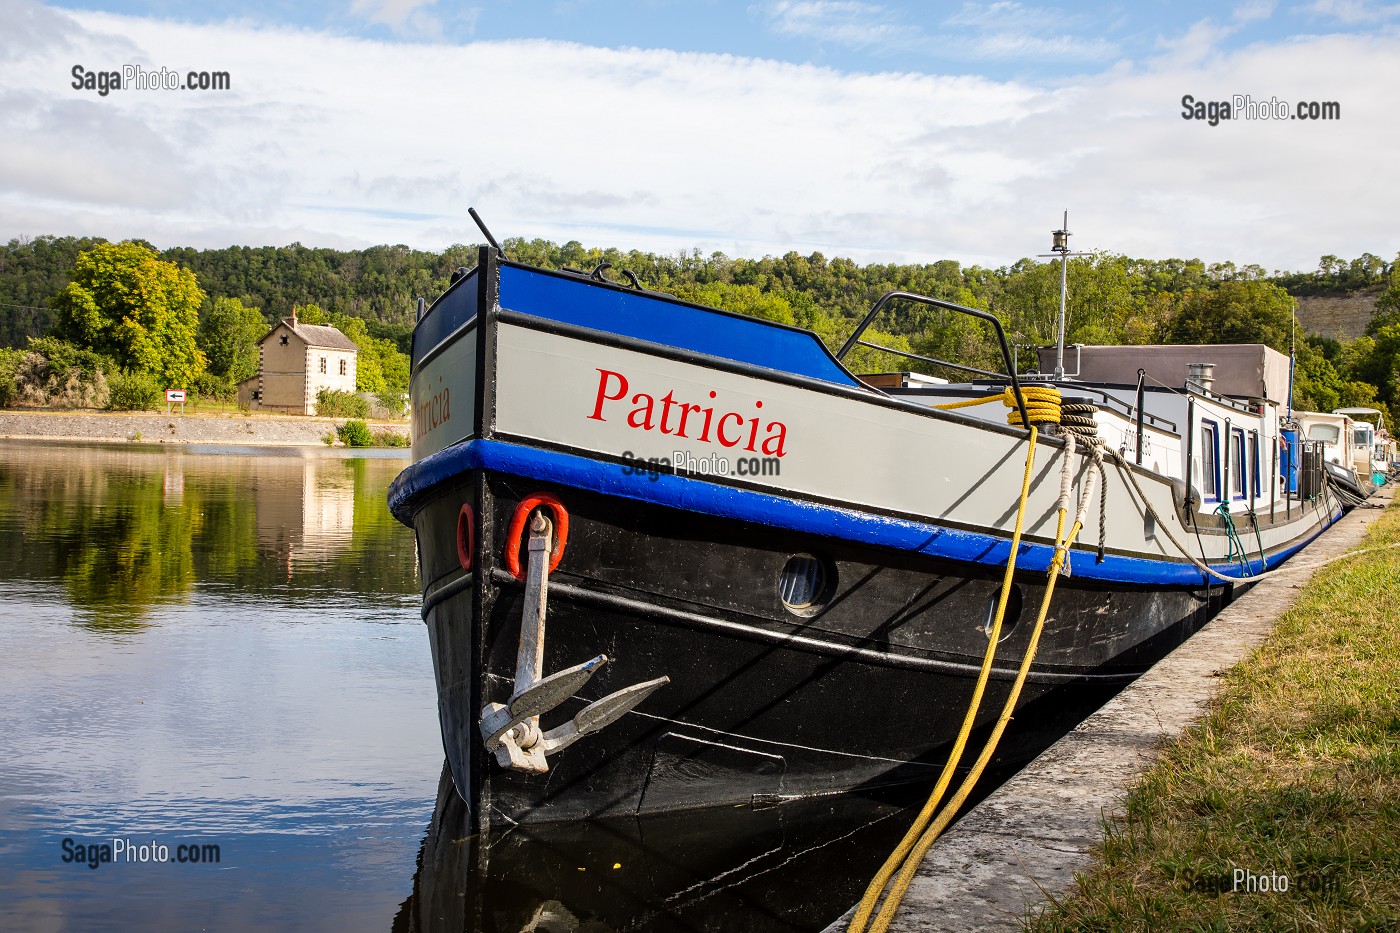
146, 428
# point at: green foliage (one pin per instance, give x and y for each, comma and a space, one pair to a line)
743, 299
10, 361
124, 302
1235, 312
66, 359
1336, 276
53, 373
337, 403
218, 388
1388, 304
135, 392
228, 335
379, 367
1316, 384
31, 273
355, 434
369, 294
390, 439
393, 403
310, 314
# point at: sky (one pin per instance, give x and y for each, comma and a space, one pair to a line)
879, 131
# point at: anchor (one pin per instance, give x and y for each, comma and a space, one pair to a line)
512, 729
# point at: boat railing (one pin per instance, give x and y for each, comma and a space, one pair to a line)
1007, 361
1119, 407
1238, 405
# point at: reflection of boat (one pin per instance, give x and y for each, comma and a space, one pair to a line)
731, 869
814, 560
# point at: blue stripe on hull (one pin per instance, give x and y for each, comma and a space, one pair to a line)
698, 495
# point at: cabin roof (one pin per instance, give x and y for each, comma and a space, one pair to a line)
1242, 370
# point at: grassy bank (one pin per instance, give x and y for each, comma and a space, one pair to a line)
1293, 779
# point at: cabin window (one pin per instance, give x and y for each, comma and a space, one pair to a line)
1254, 471
344, 367
1210, 480
1327, 433
1361, 437
323, 364
1237, 467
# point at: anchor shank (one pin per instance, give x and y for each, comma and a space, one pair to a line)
529, 663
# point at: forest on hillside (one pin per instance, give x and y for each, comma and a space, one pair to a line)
1113, 299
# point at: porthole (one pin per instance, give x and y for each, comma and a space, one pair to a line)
1009, 619
804, 583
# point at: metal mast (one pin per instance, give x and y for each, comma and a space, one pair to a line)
1060, 248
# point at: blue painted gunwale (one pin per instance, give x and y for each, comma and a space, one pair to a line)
638, 315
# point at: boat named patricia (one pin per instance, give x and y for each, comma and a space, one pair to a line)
615, 630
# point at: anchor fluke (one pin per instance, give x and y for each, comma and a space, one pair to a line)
600, 713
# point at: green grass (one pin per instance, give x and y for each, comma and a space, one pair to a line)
1295, 770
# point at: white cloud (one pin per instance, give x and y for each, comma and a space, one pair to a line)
1352, 12
411, 18
1253, 11
846, 22
339, 141
997, 31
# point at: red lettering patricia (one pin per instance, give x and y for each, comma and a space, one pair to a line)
641, 412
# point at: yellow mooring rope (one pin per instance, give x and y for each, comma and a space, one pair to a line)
1043, 402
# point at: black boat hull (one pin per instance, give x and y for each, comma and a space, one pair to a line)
764, 705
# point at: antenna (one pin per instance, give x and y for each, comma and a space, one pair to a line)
481, 225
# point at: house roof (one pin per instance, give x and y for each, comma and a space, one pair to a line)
316, 335
323, 335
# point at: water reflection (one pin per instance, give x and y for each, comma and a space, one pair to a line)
123, 529
248, 668
790, 868
214, 647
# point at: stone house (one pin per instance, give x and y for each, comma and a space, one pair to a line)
296, 361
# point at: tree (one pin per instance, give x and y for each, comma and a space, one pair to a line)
310, 314
126, 303
1236, 312
228, 335
1316, 383
743, 299
1388, 305
380, 367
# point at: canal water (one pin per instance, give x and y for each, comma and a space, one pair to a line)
217, 712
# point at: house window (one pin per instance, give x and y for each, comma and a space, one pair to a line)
344, 367
284, 340
323, 364
1210, 481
